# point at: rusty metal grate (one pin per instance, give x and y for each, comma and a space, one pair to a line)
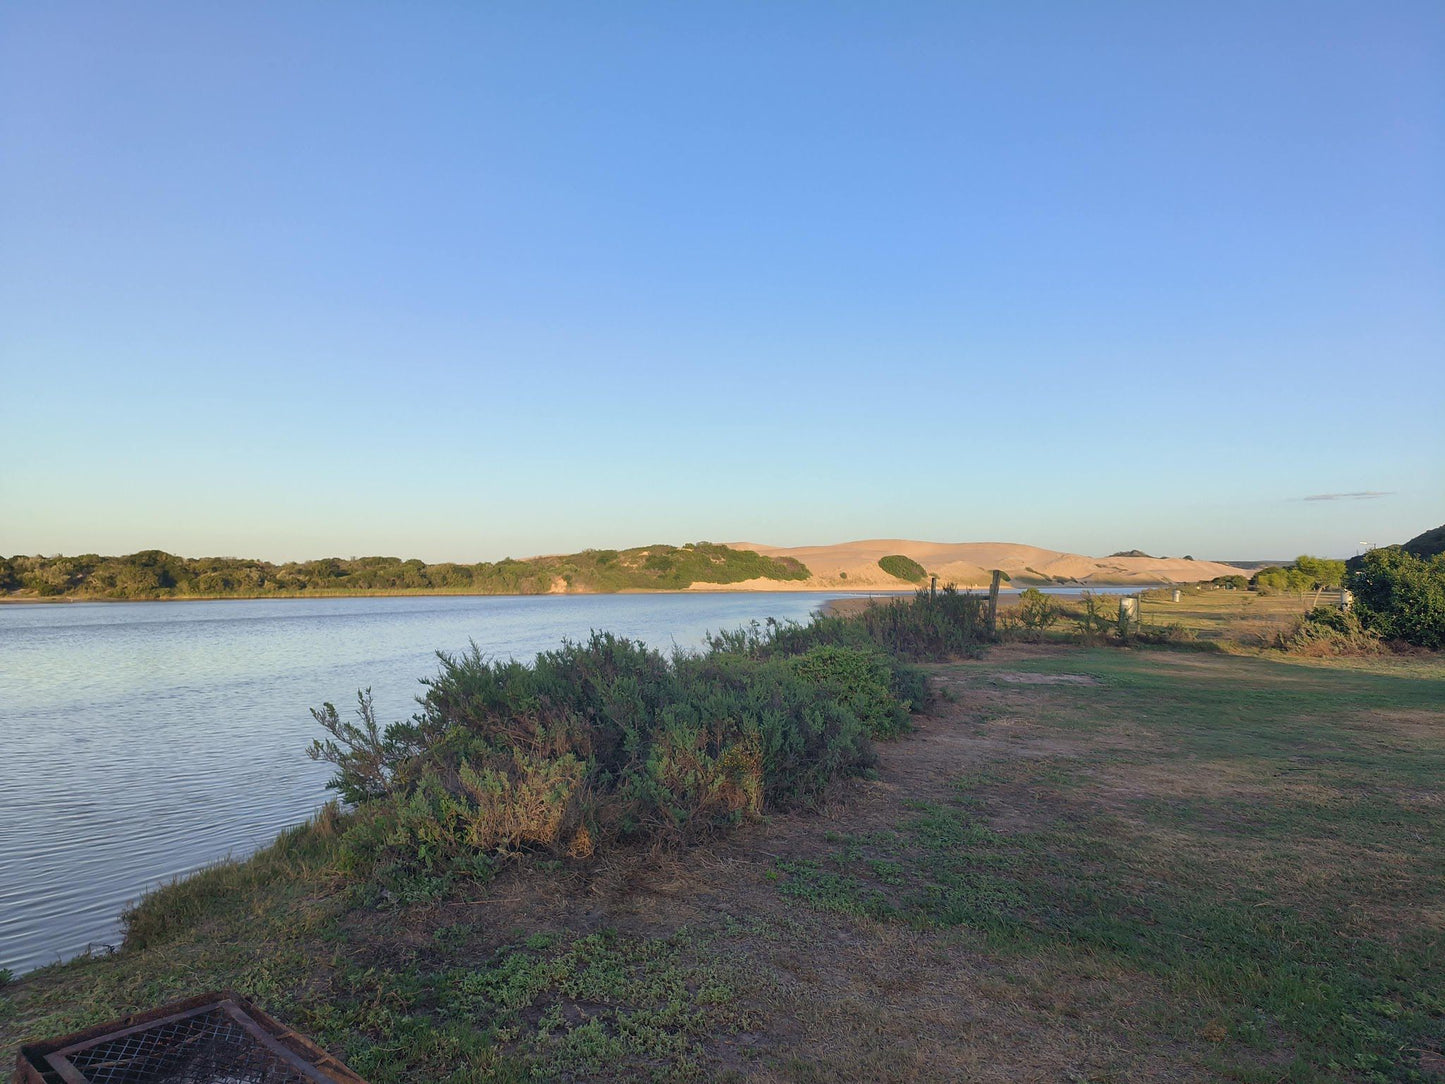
218, 1043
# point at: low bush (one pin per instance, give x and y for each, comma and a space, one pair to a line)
1036, 611
1096, 618
1327, 630
1400, 596
599, 741
863, 681
928, 627
608, 740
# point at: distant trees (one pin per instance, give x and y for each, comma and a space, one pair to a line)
1305, 575
155, 574
1321, 571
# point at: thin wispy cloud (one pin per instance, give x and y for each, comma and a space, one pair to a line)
1363, 495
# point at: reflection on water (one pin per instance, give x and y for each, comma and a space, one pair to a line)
143, 740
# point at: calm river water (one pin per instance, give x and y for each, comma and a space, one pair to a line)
144, 740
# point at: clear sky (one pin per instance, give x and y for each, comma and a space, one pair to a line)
463, 280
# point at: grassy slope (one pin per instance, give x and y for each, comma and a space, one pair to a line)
1170, 866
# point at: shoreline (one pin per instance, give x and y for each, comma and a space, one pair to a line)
313, 595
782, 587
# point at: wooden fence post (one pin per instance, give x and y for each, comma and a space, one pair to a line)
993, 604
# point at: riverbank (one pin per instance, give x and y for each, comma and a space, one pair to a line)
1019, 893
185, 727
887, 565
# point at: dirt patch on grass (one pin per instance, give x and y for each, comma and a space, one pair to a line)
1012, 677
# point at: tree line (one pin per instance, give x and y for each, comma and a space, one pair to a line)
155, 574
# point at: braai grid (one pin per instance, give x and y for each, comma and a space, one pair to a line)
214, 1044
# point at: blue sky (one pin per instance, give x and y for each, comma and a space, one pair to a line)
459, 280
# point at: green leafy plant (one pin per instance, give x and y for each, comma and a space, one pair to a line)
596, 741
1400, 596
859, 679
1036, 611
1095, 619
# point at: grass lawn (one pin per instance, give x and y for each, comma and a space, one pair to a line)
1084, 864
1234, 617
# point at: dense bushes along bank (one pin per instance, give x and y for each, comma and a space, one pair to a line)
606, 741
154, 574
1399, 598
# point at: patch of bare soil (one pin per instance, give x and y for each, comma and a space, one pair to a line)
1012, 677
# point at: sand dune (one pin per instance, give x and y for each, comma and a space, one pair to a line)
968, 564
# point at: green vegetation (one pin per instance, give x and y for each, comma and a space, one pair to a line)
1305, 575
594, 743
153, 574
903, 568
1034, 614
1096, 865
1399, 596
928, 627
608, 741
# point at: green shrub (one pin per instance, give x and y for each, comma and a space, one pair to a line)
598, 741
1036, 611
608, 740
1326, 630
862, 680
155, 574
1400, 596
1096, 619
929, 627
903, 568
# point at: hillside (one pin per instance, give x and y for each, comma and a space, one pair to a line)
855, 564
1427, 543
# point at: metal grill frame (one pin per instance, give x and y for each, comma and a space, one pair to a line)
50, 1062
